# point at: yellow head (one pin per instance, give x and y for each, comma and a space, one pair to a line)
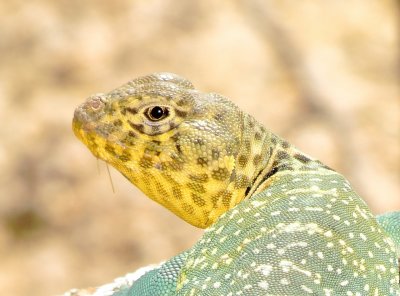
177, 145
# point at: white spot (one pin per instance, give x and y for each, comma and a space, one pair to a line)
284, 281
219, 229
306, 272
293, 209
285, 264
344, 283
222, 239
381, 267
314, 209
316, 179
246, 241
257, 203
264, 269
307, 289
263, 285
320, 255
217, 285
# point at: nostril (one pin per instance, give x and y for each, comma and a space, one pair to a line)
91, 109
96, 102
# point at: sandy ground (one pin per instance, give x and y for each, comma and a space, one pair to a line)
325, 76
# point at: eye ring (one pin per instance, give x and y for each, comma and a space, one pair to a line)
156, 113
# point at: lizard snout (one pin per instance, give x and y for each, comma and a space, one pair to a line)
90, 111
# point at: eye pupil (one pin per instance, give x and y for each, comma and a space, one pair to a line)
157, 113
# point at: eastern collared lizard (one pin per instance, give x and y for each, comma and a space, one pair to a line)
278, 222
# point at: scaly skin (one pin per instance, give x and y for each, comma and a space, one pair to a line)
278, 221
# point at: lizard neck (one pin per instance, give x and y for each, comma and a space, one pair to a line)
262, 154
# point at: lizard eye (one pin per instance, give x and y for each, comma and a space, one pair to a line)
157, 113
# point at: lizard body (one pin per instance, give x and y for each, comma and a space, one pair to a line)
278, 222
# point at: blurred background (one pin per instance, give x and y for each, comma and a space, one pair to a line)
323, 74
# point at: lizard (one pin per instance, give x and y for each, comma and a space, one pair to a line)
277, 221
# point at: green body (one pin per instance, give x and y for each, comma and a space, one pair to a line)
316, 236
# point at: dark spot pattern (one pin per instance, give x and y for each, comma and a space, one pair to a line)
187, 208
220, 174
146, 162
282, 155
160, 188
177, 193
257, 160
196, 187
110, 149
285, 144
117, 123
180, 113
202, 178
226, 198
131, 110
202, 161
219, 117
242, 181
139, 127
302, 157
198, 200
125, 156
215, 153
155, 128
242, 160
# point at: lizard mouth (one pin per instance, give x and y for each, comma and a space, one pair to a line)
87, 124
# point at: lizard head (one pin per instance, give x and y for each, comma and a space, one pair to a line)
177, 145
